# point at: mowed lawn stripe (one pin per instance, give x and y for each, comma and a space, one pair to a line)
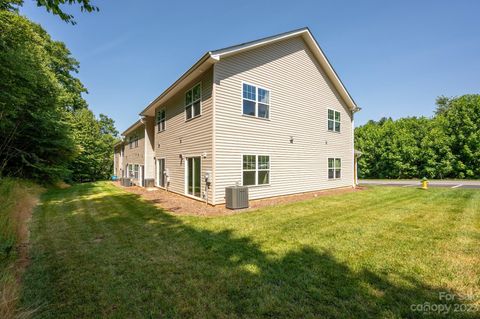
98, 251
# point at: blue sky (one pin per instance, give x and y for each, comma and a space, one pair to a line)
395, 57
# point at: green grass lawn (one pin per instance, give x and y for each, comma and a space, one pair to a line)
100, 252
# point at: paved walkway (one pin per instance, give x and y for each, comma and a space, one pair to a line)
451, 183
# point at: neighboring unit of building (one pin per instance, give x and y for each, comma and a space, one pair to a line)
133, 161
271, 114
118, 168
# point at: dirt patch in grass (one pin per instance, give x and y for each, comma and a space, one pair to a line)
182, 205
18, 200
62, 185
23, 212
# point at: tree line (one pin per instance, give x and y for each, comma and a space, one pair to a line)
47, 131
446, 145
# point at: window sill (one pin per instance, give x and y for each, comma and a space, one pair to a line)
256, 117
160, 131
334, 132
257, 186
334, 179
192, 118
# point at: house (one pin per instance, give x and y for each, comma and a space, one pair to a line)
271, 114
132, 154
118, 169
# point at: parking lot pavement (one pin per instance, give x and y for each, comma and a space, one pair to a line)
417, 183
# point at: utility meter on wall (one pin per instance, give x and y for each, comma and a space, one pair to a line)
166, 172
208, 177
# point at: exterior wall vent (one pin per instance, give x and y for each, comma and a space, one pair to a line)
236, 197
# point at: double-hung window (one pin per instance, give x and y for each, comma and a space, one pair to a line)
256, 170
130, 170
161, 117
130, 142
333, 120
193, 99
135, 171
334, 168
256, 101
136, 140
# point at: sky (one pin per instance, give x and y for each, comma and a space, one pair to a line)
394, 57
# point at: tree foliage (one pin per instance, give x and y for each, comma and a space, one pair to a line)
44, 120
445, 146
35, 134
460, 122
95, 139
53, 6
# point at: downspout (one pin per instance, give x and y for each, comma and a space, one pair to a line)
355, 166
214, 152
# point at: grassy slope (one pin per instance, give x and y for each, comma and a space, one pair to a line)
101, 252
17, 199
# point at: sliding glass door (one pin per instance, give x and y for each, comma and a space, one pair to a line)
193, 176
161, 178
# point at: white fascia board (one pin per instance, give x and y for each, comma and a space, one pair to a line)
312, 43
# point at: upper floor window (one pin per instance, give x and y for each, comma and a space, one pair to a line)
193, 99
161, 117
256, 101
133, 141
333, 120
334, 168
256, 169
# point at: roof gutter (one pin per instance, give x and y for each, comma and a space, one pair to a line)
132, 127
215, 56
207, 56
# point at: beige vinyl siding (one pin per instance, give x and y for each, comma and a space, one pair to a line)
301, 93
118, 161
149, 159
190, 138
135, 155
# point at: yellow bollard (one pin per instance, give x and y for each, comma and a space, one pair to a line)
424, 183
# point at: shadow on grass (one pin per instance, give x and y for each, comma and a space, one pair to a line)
118, 256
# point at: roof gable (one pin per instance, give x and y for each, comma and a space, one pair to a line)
133, 127
311, 43
212, 57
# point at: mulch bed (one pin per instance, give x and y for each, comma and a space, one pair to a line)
182, 205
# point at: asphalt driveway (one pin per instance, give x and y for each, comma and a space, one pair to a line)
413, 183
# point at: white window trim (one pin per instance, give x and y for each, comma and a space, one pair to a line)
136, 171
130, 171
201, 100
185, 176
157, 122
256, 169
334, 121
334, 168
256, 102
133, 141
130, 142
